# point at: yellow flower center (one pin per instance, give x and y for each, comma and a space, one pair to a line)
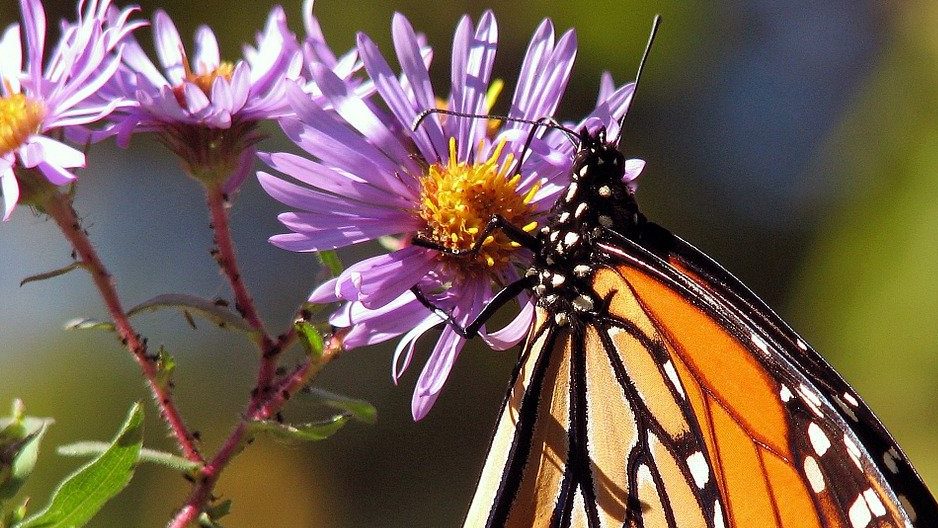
19, 117
203, 80
457, 200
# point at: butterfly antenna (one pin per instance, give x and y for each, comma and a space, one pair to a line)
641, 67
544, 122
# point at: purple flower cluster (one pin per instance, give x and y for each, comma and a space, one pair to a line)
370, 176
53, 91
367, 173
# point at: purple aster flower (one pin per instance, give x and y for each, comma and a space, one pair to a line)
370, 176
204, 109
53, 93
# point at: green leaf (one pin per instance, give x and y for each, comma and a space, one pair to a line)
358, 409
330, 259
82, 494
19, 446
50, 274
89, 324
165, 366
209, 518
296, 433
311, 338
215, 312
151, 456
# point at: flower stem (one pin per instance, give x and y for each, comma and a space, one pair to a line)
228, 262
263, 409
59, 207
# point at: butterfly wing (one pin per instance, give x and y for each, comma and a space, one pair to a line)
684, 401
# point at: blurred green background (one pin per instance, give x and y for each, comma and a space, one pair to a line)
795, 142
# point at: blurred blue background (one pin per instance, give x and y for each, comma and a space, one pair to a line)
795, 142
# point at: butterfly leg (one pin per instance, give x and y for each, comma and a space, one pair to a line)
513, 232
472, 329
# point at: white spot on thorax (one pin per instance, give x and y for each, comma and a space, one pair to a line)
818, 438
699, 469
605, 191
813, 472
561, 319
672, 376
583, 303
859, 513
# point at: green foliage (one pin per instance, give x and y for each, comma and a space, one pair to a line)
89, 324
330, 259
209, 518
19, 446
151, 456
298, 433
50, 274
311, 339
83, 493
357, 409
215, 311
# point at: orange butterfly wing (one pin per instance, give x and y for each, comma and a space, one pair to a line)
679, 406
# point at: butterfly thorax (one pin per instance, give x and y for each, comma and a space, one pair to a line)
595, 206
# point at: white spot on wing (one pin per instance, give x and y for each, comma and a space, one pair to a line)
907, 506
875, 505
846, 410
699, 469
802, 345
890, 462
813, 472
850, 399
812, 400
785, 394
818, 438
672, 375
571, 191
580, 209
570, 238
581, 270
718, 515
760, 343
859, 513
854, 451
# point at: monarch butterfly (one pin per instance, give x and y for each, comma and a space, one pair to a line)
656, 390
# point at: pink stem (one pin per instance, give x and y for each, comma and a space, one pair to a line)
60, 209
244, 304
264, 408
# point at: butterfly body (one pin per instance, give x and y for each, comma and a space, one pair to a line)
655, 390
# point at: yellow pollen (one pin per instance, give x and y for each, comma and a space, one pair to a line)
203, 80
19, 118
458, 199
